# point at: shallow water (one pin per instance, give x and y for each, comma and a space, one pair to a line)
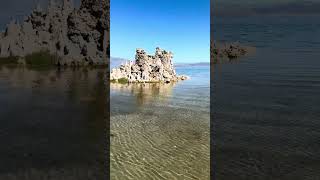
52, 123
161, 131
267, 107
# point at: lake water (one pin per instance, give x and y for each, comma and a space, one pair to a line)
161, 131
52, 123
266, 108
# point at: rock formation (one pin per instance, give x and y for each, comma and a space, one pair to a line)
77, 36
222, 52
148, 68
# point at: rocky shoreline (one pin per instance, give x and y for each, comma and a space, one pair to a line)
147, 69
73, 36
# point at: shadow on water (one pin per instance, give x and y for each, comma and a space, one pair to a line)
53, 123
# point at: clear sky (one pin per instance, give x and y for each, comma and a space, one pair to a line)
180, 26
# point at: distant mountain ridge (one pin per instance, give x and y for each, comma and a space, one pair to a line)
116, 61
192, 64
246, 8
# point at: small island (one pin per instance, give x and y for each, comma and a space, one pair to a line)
147, 69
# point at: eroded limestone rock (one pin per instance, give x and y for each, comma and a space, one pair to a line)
76, 36
148, 68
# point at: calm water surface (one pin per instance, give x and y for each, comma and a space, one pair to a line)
52, 123
161, 131
267, 106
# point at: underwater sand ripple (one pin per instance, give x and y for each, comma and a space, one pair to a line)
160, 143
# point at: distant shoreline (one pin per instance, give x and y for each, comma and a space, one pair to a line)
117, 61
192, 64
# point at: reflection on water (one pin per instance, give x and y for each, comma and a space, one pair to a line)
52, 123
144, 93
160, 131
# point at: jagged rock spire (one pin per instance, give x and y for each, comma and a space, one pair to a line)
62, 30
148, 68
67, 4
38, 7
52, 3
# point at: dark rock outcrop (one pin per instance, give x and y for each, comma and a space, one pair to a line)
227, 52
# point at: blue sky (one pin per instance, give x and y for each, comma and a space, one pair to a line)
180, 26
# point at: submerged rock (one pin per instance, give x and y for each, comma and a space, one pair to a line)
148, 68
222, 52
77, 36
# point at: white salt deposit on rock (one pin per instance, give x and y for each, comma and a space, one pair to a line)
148, 68
76, 36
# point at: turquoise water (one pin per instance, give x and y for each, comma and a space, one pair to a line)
193, 93
161, 131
